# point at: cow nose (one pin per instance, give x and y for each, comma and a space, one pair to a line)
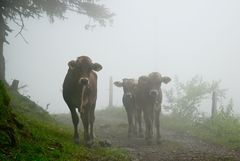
83, 81
129, 95
153, 93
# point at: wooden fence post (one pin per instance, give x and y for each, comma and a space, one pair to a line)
214, 104
110, 104
14, 85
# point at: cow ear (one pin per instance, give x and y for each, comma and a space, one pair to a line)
166, 79
96, 67
118, 84
72, 64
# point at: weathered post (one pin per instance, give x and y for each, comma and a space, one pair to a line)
14, 85
110, 105
214, 104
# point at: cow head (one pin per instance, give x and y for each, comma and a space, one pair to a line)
155, 81
143, 82
128, 85
82, 67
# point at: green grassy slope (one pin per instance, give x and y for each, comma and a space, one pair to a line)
39, 137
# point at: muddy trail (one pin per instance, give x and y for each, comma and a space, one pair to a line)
174, 146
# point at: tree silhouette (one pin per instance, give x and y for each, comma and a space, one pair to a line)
18, 10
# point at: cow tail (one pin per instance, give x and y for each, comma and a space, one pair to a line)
82, 100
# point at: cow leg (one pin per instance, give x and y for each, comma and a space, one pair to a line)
85, 120
139, 119
92, 119
151, 125
135, 122
148, 116
147, 127
157, 123
132, 125
130, 122
75, 120
151, 114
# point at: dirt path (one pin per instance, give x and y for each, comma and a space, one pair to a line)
174, 146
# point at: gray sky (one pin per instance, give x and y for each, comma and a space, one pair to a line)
183, 38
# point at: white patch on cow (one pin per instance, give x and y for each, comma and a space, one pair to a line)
83, 101
86, 78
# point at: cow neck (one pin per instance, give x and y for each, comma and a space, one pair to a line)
84, 87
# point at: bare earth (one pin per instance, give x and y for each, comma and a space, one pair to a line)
174, 147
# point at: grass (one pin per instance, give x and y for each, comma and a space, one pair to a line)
223, 129
112, 115
104, 117
43, 139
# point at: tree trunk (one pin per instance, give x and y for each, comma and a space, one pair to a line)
2, 60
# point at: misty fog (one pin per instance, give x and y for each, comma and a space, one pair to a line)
176, 38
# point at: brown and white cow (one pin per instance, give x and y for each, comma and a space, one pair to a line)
149, 99
141, 100
128, 99
80, 91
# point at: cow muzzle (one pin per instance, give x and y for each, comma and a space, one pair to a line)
154, 93
83, 81
129, 95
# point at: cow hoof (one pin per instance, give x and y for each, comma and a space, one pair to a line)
105, 143
141, 135
89, 143
135, 133
76, 140
149, 142
159, 142
130, 135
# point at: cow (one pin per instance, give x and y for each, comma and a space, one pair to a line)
141, 100
80, 92
128, 99
149, 99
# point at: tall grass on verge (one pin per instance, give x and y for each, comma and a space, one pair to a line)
224, 128
184, 101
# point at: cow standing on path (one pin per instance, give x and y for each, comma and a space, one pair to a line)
141, 100
149, 100
155, 92
80, 91
129, 90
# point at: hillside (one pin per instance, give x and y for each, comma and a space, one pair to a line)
28, 132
